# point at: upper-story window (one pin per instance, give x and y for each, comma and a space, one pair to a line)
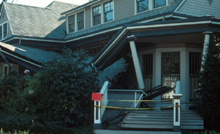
144, 5
159, 3
71, 23
103, 12
3, 30
96, 13
80, 20
108, 10
75, 22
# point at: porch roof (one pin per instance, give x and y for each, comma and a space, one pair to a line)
113, 50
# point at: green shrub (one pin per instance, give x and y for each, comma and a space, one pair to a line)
60, 92
208, 104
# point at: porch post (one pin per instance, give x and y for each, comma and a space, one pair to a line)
205, 47
176, 108
136, 62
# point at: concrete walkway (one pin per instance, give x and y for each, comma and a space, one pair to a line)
133, 132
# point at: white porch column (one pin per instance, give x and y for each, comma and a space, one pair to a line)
205, 47
136, 62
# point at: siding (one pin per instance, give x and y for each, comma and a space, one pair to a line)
87, 17
123, 8
200, 8
3, 19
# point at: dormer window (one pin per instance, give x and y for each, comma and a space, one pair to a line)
159, 3
80, 20
96, 13
102, 12
75, 22
71, 23
3, 30
144, 5
108, 10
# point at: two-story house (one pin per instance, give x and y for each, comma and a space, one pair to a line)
145, 42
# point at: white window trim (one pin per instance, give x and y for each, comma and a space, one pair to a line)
76, 23
151, 7
3, 30
102, 12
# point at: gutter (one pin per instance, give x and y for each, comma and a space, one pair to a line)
126, 29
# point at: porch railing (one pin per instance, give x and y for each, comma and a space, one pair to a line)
99, 111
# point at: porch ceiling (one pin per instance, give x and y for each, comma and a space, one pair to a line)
192, 38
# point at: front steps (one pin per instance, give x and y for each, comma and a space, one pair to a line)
161, 120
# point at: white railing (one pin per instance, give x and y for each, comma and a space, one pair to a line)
99, 111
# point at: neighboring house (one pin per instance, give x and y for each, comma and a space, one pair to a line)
168, 35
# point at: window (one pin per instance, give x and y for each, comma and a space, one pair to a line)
80, 20
3, 30
159, 3
142, 5
108, 10
71, 23
96, 13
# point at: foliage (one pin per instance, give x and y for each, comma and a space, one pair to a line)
208, 103
10, 87
60, 94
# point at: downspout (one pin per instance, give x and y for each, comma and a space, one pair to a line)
3, 57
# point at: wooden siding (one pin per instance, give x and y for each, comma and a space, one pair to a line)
87, 17
123, 9
200, 8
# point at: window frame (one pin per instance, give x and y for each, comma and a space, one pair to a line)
105, 13
151, 6
75, 21
102, 3
94, 16
79, 21
3, 36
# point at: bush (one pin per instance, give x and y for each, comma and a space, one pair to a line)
208, 103
60, 94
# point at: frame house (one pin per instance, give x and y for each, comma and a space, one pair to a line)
138, 45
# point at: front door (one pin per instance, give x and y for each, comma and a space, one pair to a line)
170, 72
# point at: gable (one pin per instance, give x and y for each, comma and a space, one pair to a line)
200, 8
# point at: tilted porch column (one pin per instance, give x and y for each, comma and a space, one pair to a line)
136, 62
205, 47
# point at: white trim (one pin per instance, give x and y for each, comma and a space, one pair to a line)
151, 26
179, 6
21, 58
2, 25
179, 17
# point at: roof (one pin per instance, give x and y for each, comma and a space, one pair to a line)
133, 19
111, 49
35, 54
40, 22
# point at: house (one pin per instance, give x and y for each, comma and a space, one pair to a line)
153, 42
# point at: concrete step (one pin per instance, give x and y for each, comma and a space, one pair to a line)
133, 132
162, 117
147, 126
162, 114
160, 122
